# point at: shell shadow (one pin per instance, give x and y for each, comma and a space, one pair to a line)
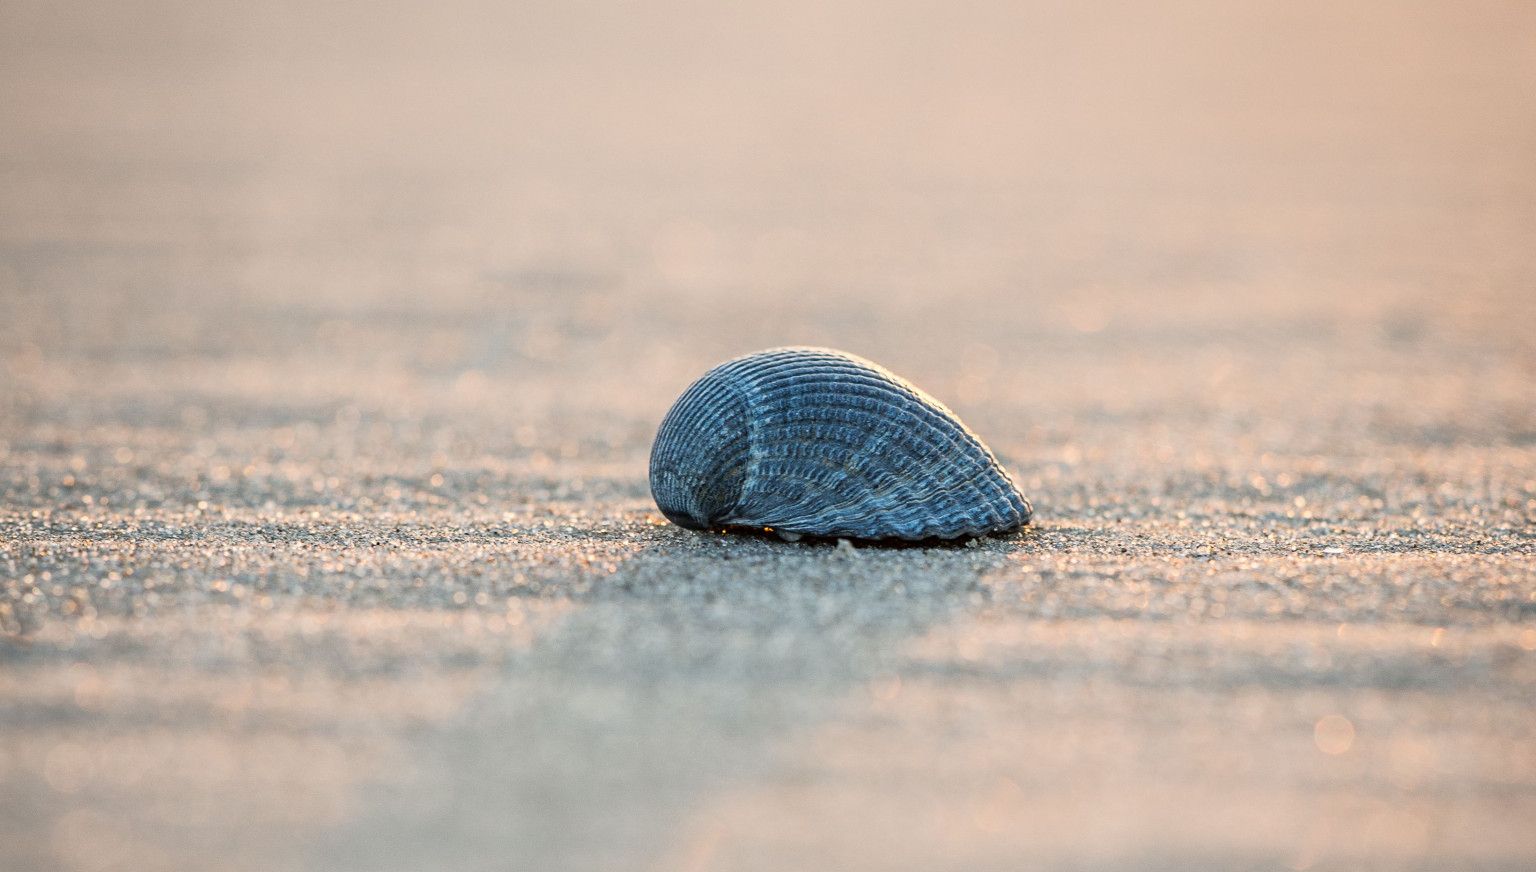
697, 661
888, 544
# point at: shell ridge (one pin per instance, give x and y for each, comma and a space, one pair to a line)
894, 492
697, 492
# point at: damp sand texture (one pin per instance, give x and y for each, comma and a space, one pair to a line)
332, 342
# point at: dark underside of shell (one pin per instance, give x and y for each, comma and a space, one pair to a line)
815, 442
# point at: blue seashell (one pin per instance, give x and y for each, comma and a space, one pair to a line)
816, 442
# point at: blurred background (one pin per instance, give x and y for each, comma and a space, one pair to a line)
284, 193
331, 274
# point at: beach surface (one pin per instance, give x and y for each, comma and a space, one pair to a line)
332, 342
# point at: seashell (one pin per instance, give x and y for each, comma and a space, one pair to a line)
817, 442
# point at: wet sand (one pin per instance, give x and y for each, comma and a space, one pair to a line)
332, 343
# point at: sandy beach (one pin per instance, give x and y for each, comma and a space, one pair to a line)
332, 344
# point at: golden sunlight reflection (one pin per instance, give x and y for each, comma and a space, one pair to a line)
1333, 734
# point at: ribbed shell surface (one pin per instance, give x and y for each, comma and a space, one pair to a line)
818, 442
